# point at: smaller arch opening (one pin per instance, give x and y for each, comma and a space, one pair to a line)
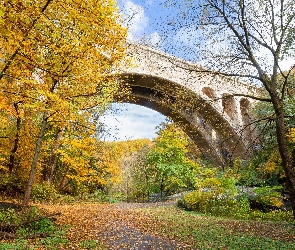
201, 120
245, 114
229, 105
214, 135
244, 107
209, 92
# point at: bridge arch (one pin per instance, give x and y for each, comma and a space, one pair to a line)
204, 105
197, 117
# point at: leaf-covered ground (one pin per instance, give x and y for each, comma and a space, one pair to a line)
163, 226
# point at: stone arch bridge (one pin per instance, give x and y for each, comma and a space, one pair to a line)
203, 104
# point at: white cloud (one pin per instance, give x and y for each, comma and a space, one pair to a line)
154, 40
131, 121
135, 19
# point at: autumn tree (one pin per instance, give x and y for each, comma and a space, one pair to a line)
136, 175
127, 157
268, 158
250, 40
168, 162
57, 58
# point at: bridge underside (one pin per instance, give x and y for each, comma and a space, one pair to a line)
200, 121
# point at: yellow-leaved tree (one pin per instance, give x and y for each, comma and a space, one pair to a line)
56, 63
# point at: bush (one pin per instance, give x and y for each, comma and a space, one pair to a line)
218, 196
269, 198
101, 197
65, 199
44, 192
56, 235
9, 216
274, 215
98, 196
15, 216
208, 203
11, 185
244, 173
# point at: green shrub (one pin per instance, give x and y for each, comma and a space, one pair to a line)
17, 245
44, 192
96, 196
216, 194
32, 213
11, 185
269, 197
100, 196
208, 203
245, 174
91, 244
43, 226
275, 215
65, 199
9, 216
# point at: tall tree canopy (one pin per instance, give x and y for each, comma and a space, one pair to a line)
168, 162
250, 40
55, 67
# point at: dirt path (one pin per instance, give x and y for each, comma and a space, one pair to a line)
112, 225
120, 234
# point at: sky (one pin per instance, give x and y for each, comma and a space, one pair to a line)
145, 20
130, 121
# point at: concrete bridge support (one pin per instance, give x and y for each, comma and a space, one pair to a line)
204, 104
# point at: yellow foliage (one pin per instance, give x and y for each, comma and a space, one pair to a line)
273, 165
291, 135
58, 58
276, 202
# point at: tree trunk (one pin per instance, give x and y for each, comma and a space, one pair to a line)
162, 188
64, 178
16, 140
147, 184
284, 152
50, 167
35, 161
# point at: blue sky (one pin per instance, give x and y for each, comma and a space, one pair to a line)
130, 121
148, 22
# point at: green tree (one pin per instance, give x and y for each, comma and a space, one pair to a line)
171, 168
248, 40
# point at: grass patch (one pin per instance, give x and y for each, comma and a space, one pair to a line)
23, 228
91, 244
205, 232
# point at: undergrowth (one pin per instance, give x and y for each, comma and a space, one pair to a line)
40, 233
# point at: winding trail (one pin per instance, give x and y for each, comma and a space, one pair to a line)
121, 235
113, 225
